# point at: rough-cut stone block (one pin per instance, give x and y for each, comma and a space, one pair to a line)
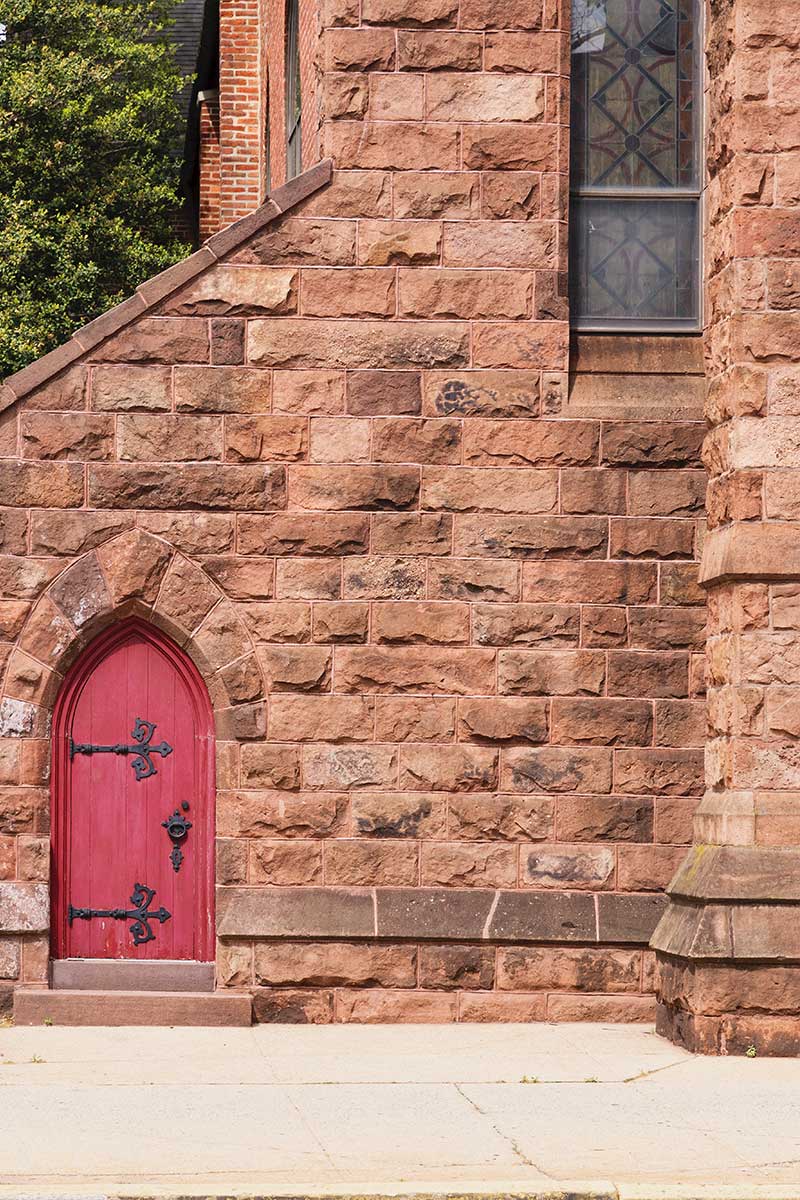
335, 964
188, 485
302, 241
490, 443
509, 147
472, 579
512, 490
482, 393
222, 389
553, 769
412, 669
364, 861
78, 436
542, 625
422, 440
563, 866
158, 339
354, 487
321, 718
379, 393
341, 622
308, 392
296, 533
412, 533
547, 673
415, 719
144, 438
339, 439
602, 723
468, 864
399, 243
228, 290
425, 50
24, 907
273, 814
531, 537
286, 863
502, 720
659, 772
348, 292
41, 484
270, 766
383, 578
398, 814
420, 622
531, 244
296, 668
605, 818
590, 582
464, 294
348, 767
451, 967
265, 438
484, 817
569, 969
396, 344
460, 768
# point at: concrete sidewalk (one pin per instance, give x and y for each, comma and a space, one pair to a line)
537, 1110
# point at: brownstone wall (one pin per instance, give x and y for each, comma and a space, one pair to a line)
443, 592
729, 946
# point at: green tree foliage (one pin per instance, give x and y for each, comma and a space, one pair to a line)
90, 137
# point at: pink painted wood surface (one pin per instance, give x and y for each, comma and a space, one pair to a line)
107, 832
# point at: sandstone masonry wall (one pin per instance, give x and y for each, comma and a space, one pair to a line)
446, 608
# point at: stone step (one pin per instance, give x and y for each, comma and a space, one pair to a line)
131, 975
40, 1006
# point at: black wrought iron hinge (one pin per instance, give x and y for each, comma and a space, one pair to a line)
142, 748
140, 914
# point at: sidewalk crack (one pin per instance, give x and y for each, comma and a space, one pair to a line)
507, 1137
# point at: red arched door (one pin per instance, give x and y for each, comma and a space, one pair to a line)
133, 792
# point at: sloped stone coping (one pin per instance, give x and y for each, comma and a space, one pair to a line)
154, 290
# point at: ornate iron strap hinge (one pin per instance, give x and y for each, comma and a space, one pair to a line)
142, 734
140, 914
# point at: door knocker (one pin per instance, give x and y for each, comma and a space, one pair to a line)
177, 828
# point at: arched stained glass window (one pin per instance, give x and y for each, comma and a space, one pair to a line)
636, 165
293, 109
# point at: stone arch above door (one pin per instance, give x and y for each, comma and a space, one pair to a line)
134, 574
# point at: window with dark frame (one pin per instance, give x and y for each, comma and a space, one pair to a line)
635, 170
293, 108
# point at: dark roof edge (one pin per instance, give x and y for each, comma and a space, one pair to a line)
154, 290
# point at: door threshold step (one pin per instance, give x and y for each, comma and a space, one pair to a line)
131, 975
45, 1006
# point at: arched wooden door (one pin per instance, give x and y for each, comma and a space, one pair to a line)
133, 803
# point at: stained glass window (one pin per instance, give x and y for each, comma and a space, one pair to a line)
635, 165
293, 106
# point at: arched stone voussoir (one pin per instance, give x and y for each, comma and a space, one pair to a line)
134, 574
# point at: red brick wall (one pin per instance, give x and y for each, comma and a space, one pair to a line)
444, 594
208, 167
242, 108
